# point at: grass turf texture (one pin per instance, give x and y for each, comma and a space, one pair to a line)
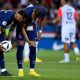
49, 69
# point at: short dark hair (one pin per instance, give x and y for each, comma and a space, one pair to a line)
23, 13
37, 12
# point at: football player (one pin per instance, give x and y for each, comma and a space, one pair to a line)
7, 19
69, 17
26, 47
34, 14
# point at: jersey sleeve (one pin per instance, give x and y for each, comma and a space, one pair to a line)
75, 15
59, 14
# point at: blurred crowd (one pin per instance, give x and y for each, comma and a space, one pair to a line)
52, 5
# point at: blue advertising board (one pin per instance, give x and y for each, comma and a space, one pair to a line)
51, 38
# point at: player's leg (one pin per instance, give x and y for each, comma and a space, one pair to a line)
37, 59
73, 44
66, 52
2, 62
76, 50
32, 57
19, 53
26, 52
19, 57
4, 72
32, 35
66, 41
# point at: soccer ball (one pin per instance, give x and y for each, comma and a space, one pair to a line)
6, 45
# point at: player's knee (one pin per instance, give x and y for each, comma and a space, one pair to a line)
73, 44
20, 42
66, 49
32, 49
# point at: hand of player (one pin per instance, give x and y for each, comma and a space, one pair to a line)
1, 47
39, 35
32, 43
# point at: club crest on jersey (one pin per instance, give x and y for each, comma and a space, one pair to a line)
4, 23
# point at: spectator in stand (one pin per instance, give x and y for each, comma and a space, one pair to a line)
24, 3
15, 3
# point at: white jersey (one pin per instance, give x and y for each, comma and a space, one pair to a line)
68, 15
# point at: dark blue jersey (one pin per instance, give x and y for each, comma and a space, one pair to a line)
28, 14
43, 11
31, 28
29, 11
6, 17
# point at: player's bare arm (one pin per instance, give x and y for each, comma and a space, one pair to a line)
56, 20
11, 31
41, 24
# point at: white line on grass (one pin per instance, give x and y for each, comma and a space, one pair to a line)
50, 62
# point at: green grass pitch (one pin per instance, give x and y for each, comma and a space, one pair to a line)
49, 69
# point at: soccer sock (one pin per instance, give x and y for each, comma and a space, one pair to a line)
66, 57
2, 63
19, 55
31, 69
76, 50
32, 57
26, 51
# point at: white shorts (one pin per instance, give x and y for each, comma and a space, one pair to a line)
68, 34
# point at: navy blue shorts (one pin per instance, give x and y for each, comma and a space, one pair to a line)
19, 36
2, 37
32, 35
31, 32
